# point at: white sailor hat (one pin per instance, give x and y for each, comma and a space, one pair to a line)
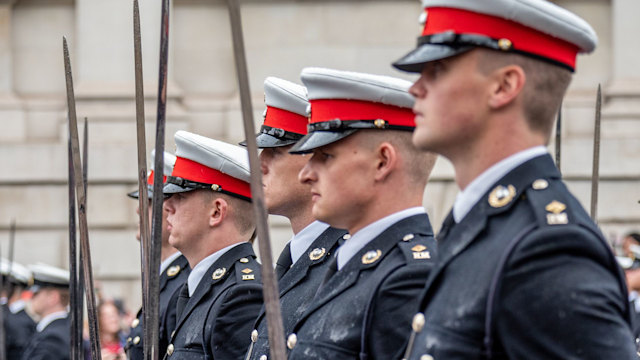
203, 163
343, 102
286, 115
536, 28
48, 276
169, 160
15, 272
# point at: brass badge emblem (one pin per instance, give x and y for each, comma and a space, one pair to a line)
501, 196
379, 123
218, 273
248, 277
317, 254
371, 256
173, 271
557, 215
505, 44
247, 271
418, 248
215, 187
420, 253
540, 184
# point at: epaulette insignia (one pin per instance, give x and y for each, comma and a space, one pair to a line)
419, 252
218, 273
540, 184
248, 274
317, 254
501, 196
408, 237
556, 215
173, 271
371, 256
244, 260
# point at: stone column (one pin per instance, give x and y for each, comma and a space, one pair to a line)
11, 113
623, 91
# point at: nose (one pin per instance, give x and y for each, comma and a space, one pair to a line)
417, 89
307, 175
168, 205
263, 162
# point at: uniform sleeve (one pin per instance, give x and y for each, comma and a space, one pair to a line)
561, 300
393, 309
234, 322
47, 349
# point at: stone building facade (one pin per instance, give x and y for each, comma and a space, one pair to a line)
282, 37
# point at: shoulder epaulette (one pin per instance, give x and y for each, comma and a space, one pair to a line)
416, 248
550, 206
248, 270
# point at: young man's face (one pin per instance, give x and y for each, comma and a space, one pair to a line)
165, 231
188, 215
283, 193
450, 100
341, 176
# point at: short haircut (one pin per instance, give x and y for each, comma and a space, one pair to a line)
241, 211
64, 296
543, 91
635, 236
418, 163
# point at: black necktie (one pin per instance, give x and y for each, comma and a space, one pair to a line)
183, 299
284, 262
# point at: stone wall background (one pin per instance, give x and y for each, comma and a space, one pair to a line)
282, 37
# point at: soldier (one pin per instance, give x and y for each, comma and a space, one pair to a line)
365, 176
522, 271
302, 264
19, 325
211, 222
50, 301
174, 270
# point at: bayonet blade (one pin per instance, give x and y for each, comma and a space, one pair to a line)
595, 175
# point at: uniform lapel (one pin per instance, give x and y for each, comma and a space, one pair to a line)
349, 274
207, 283
454, 240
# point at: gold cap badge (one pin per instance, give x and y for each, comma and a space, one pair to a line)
371, 256
173, 271
218, 273
501, 196
317, 254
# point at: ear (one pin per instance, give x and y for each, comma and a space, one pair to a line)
387, 158
508, 84
218, 212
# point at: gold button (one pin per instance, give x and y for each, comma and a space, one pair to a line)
346, 237
426, 357
135, 323
418, 322
254, 335
540, 184
136, 340
170, 349
244, 260
291, 341
263, 357
408, 237
128, 340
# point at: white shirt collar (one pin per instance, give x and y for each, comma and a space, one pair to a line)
358, 240
165, 264
198, 271
301, 241
467, 198
49, 319
17, 306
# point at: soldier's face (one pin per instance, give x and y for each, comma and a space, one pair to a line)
284, 194
187, 219
450, 103
341, 176
165, 230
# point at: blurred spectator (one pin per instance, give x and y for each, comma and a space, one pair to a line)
111, 338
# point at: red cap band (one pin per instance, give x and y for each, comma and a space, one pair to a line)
286, 120
150, 178
330, 109
194, 171
523, 38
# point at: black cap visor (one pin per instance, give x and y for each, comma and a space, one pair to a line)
170, 189
270, 137
416, 59
317, 139
136, 194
